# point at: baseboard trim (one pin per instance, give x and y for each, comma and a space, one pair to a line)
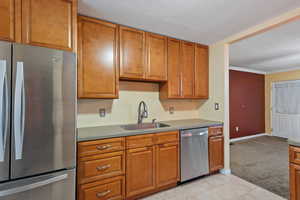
225, 171
249, 137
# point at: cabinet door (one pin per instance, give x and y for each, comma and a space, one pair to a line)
156, 57
216, 153
187, 69
7, 10
107, 189
201, 71
140, 171
49, 23
174, 71
132, 53
294, 182
167, 164
97, 59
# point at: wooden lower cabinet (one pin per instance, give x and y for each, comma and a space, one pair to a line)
101, 166
294, 172
294, 182
136, 166
216, 153
140, 171
167, 164
112, 189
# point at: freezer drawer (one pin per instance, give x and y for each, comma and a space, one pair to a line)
55, 186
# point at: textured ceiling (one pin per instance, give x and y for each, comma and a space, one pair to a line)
204, 21
275, 50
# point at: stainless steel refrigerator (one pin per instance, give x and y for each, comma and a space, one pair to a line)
37, 123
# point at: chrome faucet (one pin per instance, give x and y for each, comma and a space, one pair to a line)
142, 112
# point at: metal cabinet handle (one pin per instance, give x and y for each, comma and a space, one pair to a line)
19, 111
104, 167
4, 113
102, 194
103, 147
32, 186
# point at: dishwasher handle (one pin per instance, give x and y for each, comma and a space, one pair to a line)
190, 134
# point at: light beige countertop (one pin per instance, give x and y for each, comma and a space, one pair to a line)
104, 132
294, 141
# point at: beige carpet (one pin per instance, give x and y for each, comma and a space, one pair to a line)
262, 161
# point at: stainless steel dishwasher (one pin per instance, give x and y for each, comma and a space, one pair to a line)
194, 153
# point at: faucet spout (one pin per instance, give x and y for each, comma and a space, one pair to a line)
142, 112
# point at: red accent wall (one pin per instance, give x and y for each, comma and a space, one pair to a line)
247, 103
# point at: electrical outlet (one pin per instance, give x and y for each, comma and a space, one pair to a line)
217, 106
171, 110
102, 112
237, 129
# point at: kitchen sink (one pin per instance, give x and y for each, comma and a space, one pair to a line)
143, 126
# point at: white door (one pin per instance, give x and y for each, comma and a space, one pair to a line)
286, 108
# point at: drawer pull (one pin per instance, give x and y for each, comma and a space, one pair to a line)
103, 147
102, 194
104, 167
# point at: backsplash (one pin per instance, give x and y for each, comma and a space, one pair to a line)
124, 109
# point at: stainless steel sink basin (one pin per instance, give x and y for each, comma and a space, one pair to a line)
143, 126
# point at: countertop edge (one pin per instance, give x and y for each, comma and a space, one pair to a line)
292, 142
123, 133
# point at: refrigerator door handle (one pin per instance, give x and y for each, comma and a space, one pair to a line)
4, 113
19, 111
31, 186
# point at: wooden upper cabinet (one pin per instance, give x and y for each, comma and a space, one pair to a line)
174, 68
140, 171
156, 57
7, 22
201, 71
216, 153
97, 59
167, 164
172, 89
132, 53
49, 23
187, 69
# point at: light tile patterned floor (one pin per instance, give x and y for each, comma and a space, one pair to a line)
216, 187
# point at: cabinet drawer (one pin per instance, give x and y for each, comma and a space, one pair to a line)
139, 141
100, 146
113, 189
215, 130
101, 166
294, 155
161, 138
